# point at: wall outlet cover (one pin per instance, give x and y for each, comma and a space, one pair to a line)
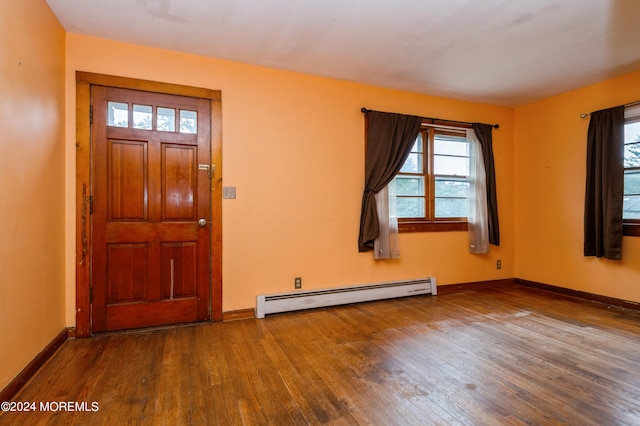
229, 192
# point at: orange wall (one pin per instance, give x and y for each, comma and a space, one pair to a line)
550, 162
32, 163
293, 147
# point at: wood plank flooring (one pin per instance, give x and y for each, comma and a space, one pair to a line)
504, 356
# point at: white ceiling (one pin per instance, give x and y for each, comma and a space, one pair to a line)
504, 52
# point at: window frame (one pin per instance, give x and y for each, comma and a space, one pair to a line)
179, 122
430, 223
631, 227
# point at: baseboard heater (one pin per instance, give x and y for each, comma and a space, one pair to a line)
294, 301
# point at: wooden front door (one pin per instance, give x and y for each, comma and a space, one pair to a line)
151, 209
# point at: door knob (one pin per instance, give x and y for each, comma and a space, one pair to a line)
202, 222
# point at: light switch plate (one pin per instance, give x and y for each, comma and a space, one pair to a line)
229, 192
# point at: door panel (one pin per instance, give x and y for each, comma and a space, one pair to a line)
179, 270
127, 180
179, 183
126, 274
150, 258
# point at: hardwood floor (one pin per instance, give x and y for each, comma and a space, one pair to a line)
511, 355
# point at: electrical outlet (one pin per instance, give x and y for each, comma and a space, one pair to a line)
499, 264
298, 282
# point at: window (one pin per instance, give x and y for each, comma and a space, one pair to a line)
631, 205
631, 200
432, 188
119, 114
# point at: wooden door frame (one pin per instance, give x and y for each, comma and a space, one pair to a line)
84, 81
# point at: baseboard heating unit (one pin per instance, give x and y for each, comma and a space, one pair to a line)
294, 301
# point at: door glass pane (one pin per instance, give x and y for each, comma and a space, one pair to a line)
142, 117
188, 121
166, 120
117, 114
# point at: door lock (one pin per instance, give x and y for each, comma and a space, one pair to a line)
202, 222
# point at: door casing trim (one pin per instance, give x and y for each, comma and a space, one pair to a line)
84, 81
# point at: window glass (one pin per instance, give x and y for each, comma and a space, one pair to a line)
414, 163
451, 166
410, 207
142, 117
452, 188
117, 114
451, 146
631, 200
434, 181
451, 208
631, 207
166, 119
188, 121
451, 155
451, 198
410, 185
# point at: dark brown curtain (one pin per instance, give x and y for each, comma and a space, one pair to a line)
389, 141
605, 184
485, 137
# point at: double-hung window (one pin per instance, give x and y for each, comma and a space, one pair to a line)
433, 186
631, 201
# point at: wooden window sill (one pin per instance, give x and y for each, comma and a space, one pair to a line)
631, 229
425, 226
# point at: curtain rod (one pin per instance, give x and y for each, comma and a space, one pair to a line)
495, 126
625, 105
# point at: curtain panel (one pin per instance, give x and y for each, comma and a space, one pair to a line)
389, 141
605, 184
485, 137
387, 245
478, 234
